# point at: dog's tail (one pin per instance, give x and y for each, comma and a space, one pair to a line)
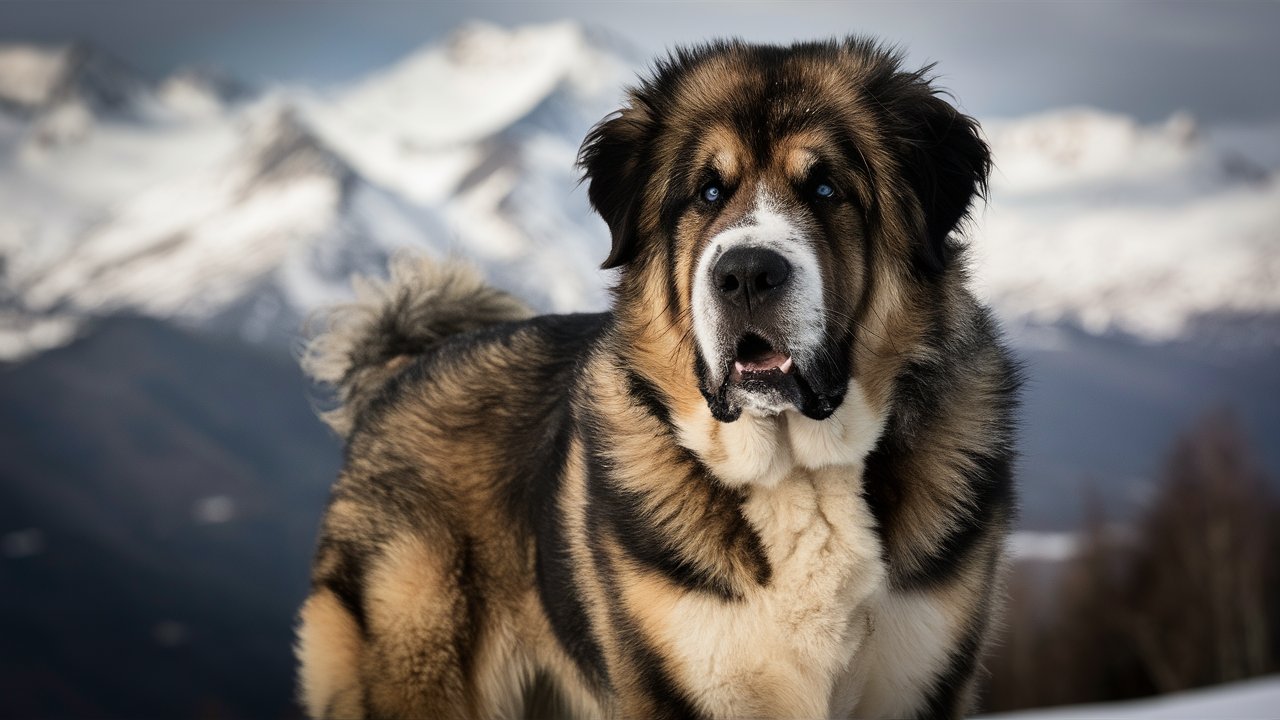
364, 343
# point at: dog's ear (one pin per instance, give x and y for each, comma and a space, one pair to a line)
610, 159
946, 162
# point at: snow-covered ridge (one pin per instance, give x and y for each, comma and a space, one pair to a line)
252, 213
30, 74
197, 200
38, 77
1118, 226
200, 92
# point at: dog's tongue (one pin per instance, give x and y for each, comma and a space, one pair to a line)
771, 360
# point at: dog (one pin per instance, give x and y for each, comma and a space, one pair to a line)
775, 480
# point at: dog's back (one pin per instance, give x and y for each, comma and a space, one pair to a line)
455, 410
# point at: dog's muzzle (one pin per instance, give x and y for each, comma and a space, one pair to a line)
758, 307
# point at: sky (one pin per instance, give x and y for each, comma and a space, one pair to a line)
1149, 59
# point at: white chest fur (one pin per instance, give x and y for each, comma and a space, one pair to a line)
784, 649
788, 649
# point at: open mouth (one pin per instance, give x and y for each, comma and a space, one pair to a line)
757, 359
764, 378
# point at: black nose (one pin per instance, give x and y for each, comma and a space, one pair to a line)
748, 276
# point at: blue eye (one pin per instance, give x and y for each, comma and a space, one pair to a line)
824, 190
712, 193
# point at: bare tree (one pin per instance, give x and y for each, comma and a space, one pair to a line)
1188, 595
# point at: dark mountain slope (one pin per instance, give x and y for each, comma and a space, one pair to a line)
159, 494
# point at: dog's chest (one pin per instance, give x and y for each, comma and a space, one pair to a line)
825, 556
792, 640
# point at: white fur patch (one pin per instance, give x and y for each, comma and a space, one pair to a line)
782, 649
754, 448
761, 449
844, 438
906, 653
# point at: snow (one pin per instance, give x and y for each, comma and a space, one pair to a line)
199, 92
30, 74
188, 96
201, 204
495, 76
1251, 700
1043, 546
1123, 227
24, 335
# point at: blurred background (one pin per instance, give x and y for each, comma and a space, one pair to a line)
181, 184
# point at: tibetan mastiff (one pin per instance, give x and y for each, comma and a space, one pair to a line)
773, 481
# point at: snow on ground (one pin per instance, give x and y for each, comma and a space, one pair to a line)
1251, 700
1043, 546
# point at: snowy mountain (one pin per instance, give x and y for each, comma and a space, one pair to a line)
35, 78
269, 232
486, 127
194, 200
199, 92
1153, 231
248, 215
63, 89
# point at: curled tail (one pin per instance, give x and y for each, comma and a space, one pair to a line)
365, 342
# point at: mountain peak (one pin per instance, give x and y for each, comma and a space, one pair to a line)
482, 44
30, 74
35, 78
481, 80
201, 91
282, 147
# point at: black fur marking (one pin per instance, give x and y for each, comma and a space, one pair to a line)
621, 512
536, 497
946, 700
657, 553
558, 584
649, 397
424, 364
402, 497
991, 485
544, 447
346, 580
717, 398
941, 156
669, 701
471, 621
683, 185
739, 534
614, 163
920, 563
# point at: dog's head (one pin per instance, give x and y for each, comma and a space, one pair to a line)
766, 202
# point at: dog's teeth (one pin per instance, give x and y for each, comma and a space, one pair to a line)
737, 365
785, 367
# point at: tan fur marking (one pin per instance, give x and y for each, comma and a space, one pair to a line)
412, 598
329, 651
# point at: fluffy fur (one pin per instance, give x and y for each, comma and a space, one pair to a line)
771, 484
422, 303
